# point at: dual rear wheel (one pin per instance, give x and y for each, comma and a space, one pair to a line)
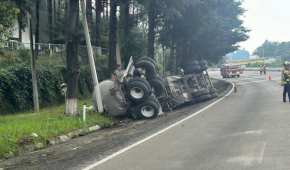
143, 104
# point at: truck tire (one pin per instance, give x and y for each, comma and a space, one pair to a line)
158, 86
148, 59
137, 90
148, 66
148, 109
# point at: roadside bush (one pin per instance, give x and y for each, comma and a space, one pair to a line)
8, 57
16, 87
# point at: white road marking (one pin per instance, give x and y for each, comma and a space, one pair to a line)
243, 160
157, 133
260, 81
250, 132
254, 132
252, 155
261, 157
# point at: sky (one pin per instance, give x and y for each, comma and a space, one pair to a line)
267, 20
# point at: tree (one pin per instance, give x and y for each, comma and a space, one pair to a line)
125, 29
201, 29
89, 14
20, 16
33, 67
98, 11
37, 25
50, 20
271, 49
8, 17
152, 15
72, 60
113, 35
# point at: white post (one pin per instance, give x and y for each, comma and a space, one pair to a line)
84, 113
97, 92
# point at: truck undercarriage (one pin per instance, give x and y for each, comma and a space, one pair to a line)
142, 93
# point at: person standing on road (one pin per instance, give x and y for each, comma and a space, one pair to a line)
263, 69
286, 81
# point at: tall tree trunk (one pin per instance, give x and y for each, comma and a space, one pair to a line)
72, 61
50, 20
20, 26
108, 2
20, 20
171, 63
37, 28
33, 68
98, 9
113, 35
126, 17
125, 29
151, 30
54, 14
89, 14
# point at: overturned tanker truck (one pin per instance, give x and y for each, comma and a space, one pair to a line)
140, 91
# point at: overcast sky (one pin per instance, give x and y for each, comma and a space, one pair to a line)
267, 19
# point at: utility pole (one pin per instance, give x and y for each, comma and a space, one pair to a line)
33, 67
98, 104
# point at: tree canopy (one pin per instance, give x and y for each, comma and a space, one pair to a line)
206, 29
8, 15
271, 49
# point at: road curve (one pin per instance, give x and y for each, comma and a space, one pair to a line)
247, 130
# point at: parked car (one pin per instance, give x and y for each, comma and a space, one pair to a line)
231, 70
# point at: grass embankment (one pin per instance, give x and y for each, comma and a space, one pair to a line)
16, 130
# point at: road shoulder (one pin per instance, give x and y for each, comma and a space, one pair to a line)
96, 146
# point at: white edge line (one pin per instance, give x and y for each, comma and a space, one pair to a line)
157, 133
252, 82
261, 156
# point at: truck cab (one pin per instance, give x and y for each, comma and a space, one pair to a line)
231, 70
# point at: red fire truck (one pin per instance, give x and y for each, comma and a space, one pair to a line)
231, 70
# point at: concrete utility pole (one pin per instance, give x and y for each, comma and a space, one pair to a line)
33, 67
98, 104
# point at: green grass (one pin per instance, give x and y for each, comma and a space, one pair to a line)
48, 123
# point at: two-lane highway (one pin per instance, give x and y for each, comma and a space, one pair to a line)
249, 129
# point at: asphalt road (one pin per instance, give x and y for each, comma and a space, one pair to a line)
249, 129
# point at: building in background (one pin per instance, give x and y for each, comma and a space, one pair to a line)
238, 55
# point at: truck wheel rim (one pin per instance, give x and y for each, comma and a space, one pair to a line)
137, 93
147, 111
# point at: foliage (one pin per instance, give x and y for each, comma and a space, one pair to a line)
8, 57
47, 124
276, 64
16, 89
203, 29
8, 14
274, 49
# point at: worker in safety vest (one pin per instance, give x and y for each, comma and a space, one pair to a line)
286, 81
